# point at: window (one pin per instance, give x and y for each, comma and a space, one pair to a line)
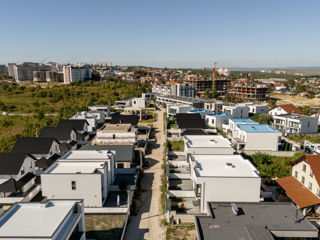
302, 180
113, 136
304, 167
318, 192
308, 124
310, 186
311, 173
73, 185
296, 174
212, 121
120, 165
22, 170
30, 164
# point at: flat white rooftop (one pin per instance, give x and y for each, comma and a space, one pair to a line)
34, 219
87, 155
224, 166
74, 167
207, 141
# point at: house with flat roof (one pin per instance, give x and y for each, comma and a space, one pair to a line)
295, 124
240, 110
256, 137
258, 221
124, 153
232, 127
103, 156
77, 179
217, 120
207, 144
303, 186
116, 134
224, 178
173, 109
255, 108
50, 220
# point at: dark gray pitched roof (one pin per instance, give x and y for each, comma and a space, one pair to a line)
33, 145
77, 124
59, 133
11, 163
10, 186
132, 119
124, 153
191, 121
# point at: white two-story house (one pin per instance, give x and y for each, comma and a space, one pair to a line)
295, 124
224, 178
80, 178
303, 186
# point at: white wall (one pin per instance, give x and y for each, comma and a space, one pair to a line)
261, 141
88, 187
209, 150
138, 102
217, 121
229, 190
299, 168
277, 111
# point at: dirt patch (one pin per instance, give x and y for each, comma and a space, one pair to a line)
99, 226
181, 232
296, 100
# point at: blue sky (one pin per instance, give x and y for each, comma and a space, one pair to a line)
172, 33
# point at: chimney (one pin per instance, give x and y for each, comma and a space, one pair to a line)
214, 76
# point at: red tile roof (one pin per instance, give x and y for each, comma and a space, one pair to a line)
290, 108
297, 192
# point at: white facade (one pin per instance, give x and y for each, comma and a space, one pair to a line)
237, 111
207, 144
138, 103
173, 109
257, 137
258, 108
164, 90
51, 220
183, 90
295, 124
76, 180
148, 96
303, 173
103, 156
91, 118
76, 73
224, 178
216, 120
233, 125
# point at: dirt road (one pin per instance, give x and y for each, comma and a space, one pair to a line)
147, 223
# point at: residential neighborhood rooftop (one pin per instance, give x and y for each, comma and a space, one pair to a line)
258, 221
125, 127
205, 141
73, 167
34, 219
245, 120
257, 128
224, 166
87, 154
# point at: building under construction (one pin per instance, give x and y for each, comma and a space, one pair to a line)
250, 92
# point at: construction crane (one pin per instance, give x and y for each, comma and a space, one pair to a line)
214, 76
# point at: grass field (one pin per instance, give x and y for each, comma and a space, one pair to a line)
302, 137
35, 103
296, 100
